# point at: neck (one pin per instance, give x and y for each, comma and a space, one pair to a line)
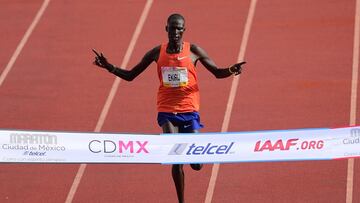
175, 47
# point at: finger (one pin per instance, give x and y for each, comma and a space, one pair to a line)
97, 54
242, 63
97, 63
238, 66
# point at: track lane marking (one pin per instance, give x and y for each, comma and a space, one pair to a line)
111, 96
232, 95
23, 41
353, 99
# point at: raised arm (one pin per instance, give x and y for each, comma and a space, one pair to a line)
201, 55
132, 73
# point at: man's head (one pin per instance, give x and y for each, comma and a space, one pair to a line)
175, 27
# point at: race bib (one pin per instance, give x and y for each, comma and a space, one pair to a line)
174, 76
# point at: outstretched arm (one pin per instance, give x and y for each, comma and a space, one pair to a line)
131, 74
201, 55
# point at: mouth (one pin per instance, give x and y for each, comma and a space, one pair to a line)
175, 37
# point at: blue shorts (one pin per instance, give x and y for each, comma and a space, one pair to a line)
186, 122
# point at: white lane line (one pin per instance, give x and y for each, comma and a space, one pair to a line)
23, 41
234, 85
354, 84
124, 63
111, 95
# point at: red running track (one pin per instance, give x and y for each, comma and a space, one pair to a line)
298, 75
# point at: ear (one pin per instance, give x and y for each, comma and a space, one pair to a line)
167, 28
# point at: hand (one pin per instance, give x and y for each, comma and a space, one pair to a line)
236, 68
101, 61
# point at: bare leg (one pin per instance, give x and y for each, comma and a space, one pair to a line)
177, 169
179, 177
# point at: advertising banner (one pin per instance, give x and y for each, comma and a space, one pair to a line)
258, 146
262, 146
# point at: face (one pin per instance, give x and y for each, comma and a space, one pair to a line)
175, 29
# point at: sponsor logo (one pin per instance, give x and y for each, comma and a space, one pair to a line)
32, 148
194, 149
354, 137
121, 147
355, 132
178, 148
181, 58
32, 144
24, 138
286, 145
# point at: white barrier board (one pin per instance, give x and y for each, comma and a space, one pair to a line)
259, 146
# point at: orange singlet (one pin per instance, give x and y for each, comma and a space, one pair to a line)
178, 91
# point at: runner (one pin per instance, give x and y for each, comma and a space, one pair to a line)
178, 98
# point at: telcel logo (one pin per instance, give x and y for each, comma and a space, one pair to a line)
108, 146
194, 149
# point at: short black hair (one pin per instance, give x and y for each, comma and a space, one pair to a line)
175, 16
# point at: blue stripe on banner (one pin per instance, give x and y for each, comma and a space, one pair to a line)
251, 161
244, 132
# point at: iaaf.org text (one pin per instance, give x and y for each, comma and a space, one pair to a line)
285, 145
